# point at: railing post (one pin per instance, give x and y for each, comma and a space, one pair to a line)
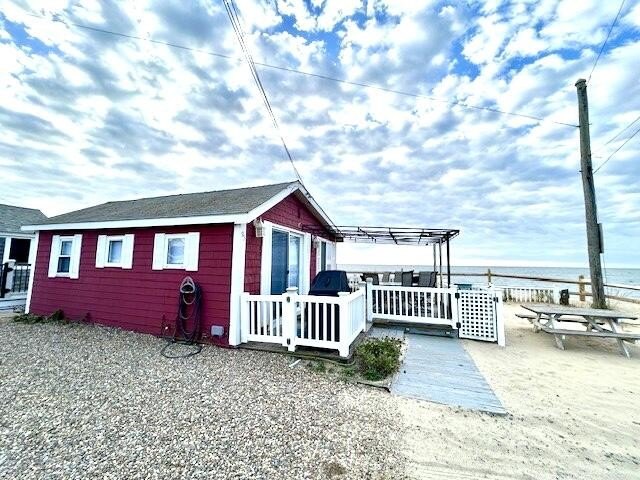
556, 295
290, 318
6, 282
499, 319
369, 303
244, 317
581, 290
344, 323
453, 303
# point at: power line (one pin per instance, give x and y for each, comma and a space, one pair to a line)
310, 74
617, 150
621, 131
232, 12
606, 40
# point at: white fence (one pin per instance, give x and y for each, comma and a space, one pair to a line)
530, 294
480, 315
304, 320
294, 320
435, 306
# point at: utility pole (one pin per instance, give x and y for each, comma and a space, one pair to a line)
594, 236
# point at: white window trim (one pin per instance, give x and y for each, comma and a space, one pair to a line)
319, 241
191, 251
265, 262
102, 251
107, 263
175, 236
74, 262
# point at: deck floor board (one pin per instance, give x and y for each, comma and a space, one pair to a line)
440, 370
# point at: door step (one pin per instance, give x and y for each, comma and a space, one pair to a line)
434, 331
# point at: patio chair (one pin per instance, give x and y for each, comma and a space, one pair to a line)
397, 277
407, 278
385, 277
373, 276
427, 279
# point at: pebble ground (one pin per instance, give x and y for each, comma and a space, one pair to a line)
82, 401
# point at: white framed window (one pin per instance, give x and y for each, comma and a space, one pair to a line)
64, 259
115, 251
176, 251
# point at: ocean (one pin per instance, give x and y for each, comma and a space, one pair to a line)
619, 276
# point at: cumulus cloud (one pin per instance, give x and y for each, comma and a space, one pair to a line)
89, 117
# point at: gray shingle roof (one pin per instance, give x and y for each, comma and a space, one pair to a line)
12, 218
221, 202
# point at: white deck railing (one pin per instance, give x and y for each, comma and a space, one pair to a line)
434, 306
265, 317
304, 320
530, 294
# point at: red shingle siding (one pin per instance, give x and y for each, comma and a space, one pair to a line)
139, 298
290, 212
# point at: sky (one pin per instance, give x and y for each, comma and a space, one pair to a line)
88, 117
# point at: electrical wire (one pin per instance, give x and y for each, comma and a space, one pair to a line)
616, 151
232, 13
621, 131
615, 20
455, 103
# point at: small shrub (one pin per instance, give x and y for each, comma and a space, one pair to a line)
318, 367
57, 316
378, 358
28, 318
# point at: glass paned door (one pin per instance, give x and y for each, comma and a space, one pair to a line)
294, 260
279, 261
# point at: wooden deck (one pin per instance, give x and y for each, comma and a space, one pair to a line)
439, 369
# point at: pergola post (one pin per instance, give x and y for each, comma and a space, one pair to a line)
440, 253
448, 265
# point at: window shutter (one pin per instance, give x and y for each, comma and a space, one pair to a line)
101, 251
159, 252
127, 251
53, 256
76, 249
192, 251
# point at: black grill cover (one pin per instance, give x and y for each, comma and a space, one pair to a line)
329, 283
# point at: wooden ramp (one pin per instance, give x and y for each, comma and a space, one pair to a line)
440, 370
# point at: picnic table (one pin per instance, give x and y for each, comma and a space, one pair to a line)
598, 322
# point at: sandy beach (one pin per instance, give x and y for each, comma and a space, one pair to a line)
572, 413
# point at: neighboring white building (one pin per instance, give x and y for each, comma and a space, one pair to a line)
16, 253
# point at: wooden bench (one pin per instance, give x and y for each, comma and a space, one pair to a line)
531, 318
629, 337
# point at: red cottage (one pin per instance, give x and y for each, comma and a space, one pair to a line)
120, 263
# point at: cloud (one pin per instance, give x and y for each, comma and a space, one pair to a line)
89, 117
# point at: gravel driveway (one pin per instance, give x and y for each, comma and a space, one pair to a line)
81, 401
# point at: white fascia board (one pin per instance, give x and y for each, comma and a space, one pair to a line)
148, 222
317, 207
27, 234
200, 220
273, 201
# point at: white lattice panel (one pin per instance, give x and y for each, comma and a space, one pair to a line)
478, 319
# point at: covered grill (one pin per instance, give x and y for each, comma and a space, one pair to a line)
327, 283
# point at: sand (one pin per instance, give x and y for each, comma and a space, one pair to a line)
573, 413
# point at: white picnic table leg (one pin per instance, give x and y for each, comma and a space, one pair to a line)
558, 338
623, 346
536, 323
